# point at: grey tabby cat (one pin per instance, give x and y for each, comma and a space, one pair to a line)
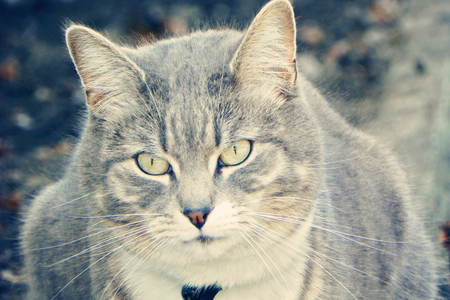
209, 168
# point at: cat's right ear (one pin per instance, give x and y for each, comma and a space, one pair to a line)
265, 60
110, 78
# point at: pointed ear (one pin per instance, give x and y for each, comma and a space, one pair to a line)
110, 78
266, 57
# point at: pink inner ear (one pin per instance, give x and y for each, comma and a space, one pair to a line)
289, 40
288, 75
94, 98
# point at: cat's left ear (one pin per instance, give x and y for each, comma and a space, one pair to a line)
111, 80
266, 57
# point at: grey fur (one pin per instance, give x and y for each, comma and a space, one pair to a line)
186, 100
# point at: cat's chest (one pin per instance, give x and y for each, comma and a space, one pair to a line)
273, 273
152, 286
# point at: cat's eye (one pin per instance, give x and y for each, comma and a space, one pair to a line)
151, 164
236, 154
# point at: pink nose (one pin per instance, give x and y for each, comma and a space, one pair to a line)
197, 218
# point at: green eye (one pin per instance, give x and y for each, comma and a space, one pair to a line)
151, 164
236, 154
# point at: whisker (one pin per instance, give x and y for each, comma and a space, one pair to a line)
96, 174
91, 265
341, 234
117, 216
325, 270
245, 236
71, 201
158, 245
89, 236
333, 162
294, 199
300, 220
99, 245
120, 271
275, 265
280, 238
115, 239
326, 169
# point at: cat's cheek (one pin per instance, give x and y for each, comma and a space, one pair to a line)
222, 221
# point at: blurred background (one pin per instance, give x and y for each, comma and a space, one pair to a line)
384, 64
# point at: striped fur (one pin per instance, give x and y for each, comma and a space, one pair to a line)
318, 210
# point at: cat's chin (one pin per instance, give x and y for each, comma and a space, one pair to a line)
205, 247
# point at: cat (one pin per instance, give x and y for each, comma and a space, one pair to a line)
209, 168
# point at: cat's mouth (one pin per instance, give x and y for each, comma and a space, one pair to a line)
204, 239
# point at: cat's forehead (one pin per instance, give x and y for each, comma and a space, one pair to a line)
191, 56
194, 89
188, 134
190, 80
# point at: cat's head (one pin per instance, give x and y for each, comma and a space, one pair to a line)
202, 143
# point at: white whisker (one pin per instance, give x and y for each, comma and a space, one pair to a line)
281, 238
246, 237
129, 261
341, 234
116, 216
91, 265
69, 202
152, 250
325, 270
333, 162
292, 199
89, 236
100, 244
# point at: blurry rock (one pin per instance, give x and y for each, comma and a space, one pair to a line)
45, 153
44, 94
177, 26
336, 51
384, 11
23, 120
11, 202
4, 149
10, 70
347, 52
182, 17
376, 37
312, 35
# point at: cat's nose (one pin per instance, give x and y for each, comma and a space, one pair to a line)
197, 218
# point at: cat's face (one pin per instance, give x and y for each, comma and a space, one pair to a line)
211, 153
199, 145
